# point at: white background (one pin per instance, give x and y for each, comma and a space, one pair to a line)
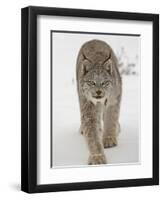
10, 100
47, 175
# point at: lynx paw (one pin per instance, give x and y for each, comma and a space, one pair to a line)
110, 141
97, 159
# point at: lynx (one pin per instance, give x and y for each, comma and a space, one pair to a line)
99, 88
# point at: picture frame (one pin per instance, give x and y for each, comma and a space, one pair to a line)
30, 146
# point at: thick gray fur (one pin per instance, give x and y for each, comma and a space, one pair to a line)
99, 88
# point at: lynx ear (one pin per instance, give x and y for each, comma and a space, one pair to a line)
86, 65
108, 65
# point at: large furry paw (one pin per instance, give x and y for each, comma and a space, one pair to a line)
110, 141
97, 159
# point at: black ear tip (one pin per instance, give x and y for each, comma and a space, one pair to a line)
85, 71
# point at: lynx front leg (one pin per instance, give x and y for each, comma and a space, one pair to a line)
111, 126
92, 131
96, 150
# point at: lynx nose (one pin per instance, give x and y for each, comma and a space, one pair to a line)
98, 92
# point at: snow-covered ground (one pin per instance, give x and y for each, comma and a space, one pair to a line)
69, 148
68, 145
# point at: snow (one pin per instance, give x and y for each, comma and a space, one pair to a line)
68, 145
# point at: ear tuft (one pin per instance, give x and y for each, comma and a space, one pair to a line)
86, 65
108, 65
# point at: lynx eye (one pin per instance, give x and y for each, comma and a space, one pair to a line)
105, 83
90, 83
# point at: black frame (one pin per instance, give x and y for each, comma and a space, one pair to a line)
29, 98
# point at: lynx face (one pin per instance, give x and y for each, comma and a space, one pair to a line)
97, 85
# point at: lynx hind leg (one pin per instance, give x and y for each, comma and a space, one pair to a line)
111, 126
110, 141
